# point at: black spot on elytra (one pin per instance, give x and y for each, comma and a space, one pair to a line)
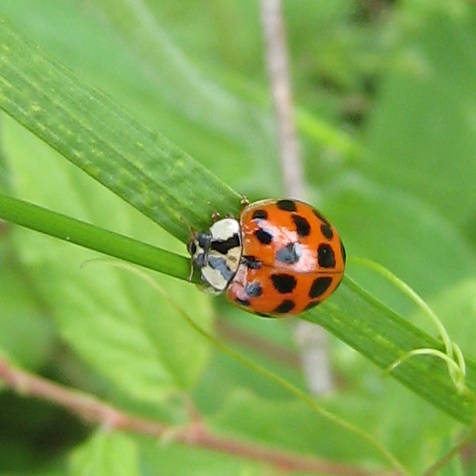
283, 283
242, 302
326, 230
290, 254
325, 256
263, 236
251, 262
321, 216
253, 290
286, 306
319, 286
260, 215
342, 249
223, 246
286, 205
302, 225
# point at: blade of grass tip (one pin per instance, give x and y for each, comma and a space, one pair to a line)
75, 231
105, 141
309, 400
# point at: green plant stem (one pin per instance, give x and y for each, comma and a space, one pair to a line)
92, 237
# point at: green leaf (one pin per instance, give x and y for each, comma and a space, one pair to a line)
22, 318
270, 422
113, 319
106, 453
121, 50
421, 132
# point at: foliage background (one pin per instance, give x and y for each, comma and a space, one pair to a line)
386, 113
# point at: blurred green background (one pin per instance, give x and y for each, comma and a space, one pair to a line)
386, 112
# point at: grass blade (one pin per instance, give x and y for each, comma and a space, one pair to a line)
383, 337
104, 140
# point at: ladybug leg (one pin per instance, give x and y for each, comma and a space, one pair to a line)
251, 262
191, 230
216, 216
244, 202
193, 234
192, 269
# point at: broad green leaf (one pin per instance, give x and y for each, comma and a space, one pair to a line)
292, 426
407, 425
421, 133
105, 454
177, 460
116, 321
384, 408
26, 334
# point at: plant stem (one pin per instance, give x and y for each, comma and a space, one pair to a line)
89, 236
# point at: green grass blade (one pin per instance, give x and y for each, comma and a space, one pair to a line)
105, 141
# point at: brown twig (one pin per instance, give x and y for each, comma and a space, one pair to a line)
280, 82
196, 434
311, 339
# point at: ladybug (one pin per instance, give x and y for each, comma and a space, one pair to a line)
280, 257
